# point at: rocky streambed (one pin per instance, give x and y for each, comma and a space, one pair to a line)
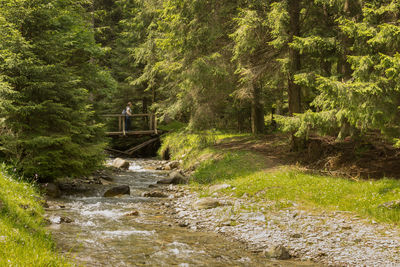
135, 228
158, 223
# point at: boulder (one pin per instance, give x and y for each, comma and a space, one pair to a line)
117, 190
154, 194
218, 187
120, 164
51, 190
278, 252
206, 203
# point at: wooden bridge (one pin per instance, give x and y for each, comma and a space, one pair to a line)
151, 129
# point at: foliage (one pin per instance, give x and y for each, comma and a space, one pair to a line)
48, 78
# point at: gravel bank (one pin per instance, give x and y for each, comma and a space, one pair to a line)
331, 238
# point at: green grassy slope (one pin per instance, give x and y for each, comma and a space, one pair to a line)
23, 238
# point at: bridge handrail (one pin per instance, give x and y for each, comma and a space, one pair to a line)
133, 115
121, 122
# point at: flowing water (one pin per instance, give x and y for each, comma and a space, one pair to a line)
101, 234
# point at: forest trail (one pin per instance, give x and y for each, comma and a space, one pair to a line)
369, 159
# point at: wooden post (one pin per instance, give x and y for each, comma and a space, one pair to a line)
150, 122
119, 123
123, 127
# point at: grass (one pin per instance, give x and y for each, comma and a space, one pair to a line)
248, 173
23, 238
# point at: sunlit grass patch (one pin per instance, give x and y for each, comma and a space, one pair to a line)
361, 197
23, 239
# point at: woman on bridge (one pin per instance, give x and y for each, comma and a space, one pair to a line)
128, 112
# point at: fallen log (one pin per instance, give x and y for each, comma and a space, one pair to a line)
136, 148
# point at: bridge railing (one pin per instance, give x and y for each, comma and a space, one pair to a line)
149, 117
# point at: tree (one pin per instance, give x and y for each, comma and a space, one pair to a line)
46, 49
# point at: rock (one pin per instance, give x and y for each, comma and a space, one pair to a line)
206, 203
173, 165
395, 204
174, 178
278, 252
346, 227
167, 168
74, 187
154, 194
60, 219
218, 187
117, 190
105, 182
152, 186
120, 164
177, 178
295, 235
183, 224
51, 190
165, 181
132, 213
65, 220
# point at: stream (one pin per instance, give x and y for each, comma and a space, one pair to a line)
101, 234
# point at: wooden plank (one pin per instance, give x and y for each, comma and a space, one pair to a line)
133, 115
132, 132
136, 148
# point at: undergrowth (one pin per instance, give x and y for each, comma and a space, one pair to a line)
23, 238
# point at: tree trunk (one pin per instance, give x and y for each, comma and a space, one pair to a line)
257, 111
344, 68
294, 90
144, 105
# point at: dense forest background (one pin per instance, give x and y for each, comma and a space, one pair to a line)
329, 67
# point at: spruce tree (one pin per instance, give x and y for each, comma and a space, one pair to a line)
46, 58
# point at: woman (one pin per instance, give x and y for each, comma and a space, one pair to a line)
128, 113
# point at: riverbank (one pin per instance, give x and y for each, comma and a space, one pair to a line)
23, 238
276, 202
